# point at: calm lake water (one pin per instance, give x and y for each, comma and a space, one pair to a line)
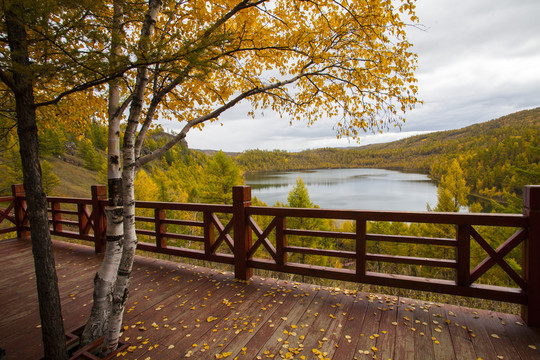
361, 189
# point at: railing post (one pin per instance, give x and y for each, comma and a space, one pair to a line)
531, 255
21, 217
99, 193
209, 237
83, 219
242, 232
161, 228
463, 255
281, 240
56, 216
361, 248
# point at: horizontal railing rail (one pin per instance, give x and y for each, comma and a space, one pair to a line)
256, 237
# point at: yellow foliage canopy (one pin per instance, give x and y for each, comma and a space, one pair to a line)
347, 60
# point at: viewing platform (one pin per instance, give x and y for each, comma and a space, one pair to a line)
176, 310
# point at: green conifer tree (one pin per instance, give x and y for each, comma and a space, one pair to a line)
50, 180
92, 159
221, 174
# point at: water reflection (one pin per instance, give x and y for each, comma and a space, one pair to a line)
370, 189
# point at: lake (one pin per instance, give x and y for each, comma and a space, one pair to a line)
360, 189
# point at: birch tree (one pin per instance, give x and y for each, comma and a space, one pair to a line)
51, 53
347, 60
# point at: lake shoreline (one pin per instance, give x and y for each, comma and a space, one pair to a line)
391, 168
349, 188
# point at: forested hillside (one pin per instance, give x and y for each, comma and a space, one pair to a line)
498, 157
71, 163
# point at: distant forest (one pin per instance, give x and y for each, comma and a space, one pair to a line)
497, 157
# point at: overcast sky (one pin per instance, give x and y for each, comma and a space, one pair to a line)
478, 60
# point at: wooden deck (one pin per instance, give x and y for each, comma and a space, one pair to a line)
181, 311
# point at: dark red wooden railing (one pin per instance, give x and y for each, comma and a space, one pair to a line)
230, 234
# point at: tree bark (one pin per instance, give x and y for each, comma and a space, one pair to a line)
129, 171
105, 279
54, 341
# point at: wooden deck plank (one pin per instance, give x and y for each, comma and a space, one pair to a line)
442, 341
262, 318
524, 339
460, 337
318, 338
302, 317
370, 326
423, 342
338, 337
238, 326
273, 318
352, 328
479, 335
497, 335
404, 348
387, 332
191, 318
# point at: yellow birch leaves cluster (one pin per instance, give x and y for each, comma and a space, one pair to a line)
348, 60
306, 60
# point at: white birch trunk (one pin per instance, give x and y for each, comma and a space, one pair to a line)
105, 280
121, 291
129, 170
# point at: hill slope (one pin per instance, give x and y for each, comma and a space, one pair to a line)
498, 157
417, 153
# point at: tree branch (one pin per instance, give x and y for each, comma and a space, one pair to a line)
156, 100
212, 115
6, 79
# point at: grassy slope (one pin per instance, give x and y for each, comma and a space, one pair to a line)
75, 181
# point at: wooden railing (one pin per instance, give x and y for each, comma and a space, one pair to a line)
231, 234
8, 224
